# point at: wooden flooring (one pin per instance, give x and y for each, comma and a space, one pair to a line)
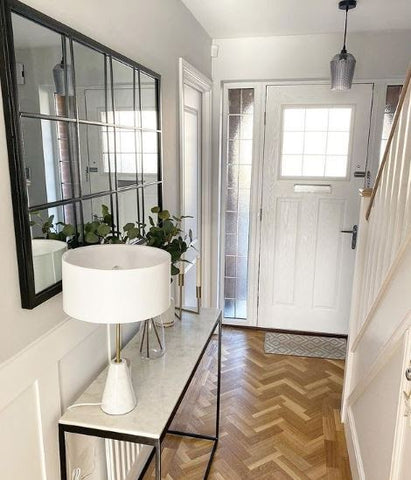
279, 417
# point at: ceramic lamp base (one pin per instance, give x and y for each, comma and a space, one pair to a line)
118, 397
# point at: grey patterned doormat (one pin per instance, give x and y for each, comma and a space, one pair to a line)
305, 345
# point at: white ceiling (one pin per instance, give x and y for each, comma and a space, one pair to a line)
253, 18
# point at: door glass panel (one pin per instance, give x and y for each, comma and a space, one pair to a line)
237, 209
315, 141
94, 153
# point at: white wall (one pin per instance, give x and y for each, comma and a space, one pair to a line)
383, 55
46, 359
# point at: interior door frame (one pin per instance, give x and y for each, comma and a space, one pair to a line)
260, 97
189, 75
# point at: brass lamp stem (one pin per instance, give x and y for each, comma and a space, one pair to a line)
118, 342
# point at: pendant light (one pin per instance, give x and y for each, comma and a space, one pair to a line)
343, 64
62, 73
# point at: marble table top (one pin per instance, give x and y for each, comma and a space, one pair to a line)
158, 383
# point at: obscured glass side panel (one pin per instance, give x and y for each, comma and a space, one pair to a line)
315, 141
391, 101
95, 175
237, 209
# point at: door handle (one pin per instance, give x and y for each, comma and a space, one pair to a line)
354, 233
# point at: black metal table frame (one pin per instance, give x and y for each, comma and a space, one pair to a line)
155, 443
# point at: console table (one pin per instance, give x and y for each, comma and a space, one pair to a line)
160, 386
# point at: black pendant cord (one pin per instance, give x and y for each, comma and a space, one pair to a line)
344, 49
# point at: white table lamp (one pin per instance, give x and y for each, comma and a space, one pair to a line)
116, 284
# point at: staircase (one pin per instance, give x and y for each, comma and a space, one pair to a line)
375, 408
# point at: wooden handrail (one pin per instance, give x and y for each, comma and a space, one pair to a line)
389, 141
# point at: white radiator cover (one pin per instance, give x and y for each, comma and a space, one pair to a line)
125, 460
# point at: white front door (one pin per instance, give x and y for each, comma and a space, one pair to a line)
315, 141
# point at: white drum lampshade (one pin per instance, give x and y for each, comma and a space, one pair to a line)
116, 284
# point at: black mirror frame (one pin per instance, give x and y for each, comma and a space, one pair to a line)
29, 298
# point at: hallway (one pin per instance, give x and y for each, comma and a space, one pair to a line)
280, 417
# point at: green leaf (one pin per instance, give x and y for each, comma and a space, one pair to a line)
155, 209
68, 230
94, 225
174, 270
128, 226
91, 237
103, 230
164, 215
133, 233
112, 239
104, 210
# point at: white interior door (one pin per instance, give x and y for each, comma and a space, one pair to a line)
191, 191
315, 141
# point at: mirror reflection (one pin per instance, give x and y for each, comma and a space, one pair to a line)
89, 131
53, 231
42, 80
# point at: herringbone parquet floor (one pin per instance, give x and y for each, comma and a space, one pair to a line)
279, 417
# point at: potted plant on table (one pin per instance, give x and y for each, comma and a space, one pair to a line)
163, 231
166, 232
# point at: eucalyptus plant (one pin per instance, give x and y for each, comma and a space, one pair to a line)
64, 232
166, 233
103, 230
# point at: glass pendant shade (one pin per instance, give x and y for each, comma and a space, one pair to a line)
60, 71
342, 71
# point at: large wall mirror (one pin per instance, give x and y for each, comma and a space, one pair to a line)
83, 131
